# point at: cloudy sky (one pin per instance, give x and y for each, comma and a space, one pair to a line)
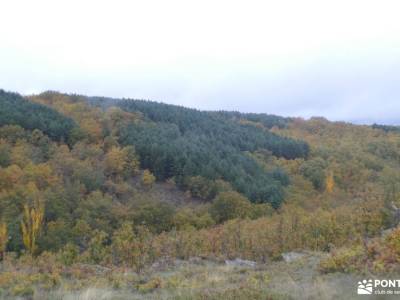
338, 59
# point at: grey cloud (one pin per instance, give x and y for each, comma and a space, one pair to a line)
338, 88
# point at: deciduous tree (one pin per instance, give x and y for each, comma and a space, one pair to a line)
148, 179
3, 239
32, 222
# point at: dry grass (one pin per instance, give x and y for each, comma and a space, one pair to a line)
195, 279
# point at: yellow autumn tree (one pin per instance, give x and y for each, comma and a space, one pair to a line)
148, 178
121, 161
115, 161
329, 183
3, 239
92, 127
32, 218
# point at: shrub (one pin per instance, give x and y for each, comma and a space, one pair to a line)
345, 260
230, 205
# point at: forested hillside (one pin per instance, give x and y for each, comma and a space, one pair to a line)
183, 143
14, 110
129, 183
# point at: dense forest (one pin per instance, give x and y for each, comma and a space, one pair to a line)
15, 110
123, 183
183, 143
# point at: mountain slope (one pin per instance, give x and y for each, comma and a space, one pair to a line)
16, 110
143, 184
182, 143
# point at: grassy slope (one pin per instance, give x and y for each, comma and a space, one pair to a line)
200, 279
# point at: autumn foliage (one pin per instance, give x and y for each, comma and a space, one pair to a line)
128, 186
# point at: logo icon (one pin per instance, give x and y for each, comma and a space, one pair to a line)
365, 287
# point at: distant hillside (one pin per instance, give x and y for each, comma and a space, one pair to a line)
386, 128
180, 143
16, 110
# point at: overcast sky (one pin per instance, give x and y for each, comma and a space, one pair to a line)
337, 59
